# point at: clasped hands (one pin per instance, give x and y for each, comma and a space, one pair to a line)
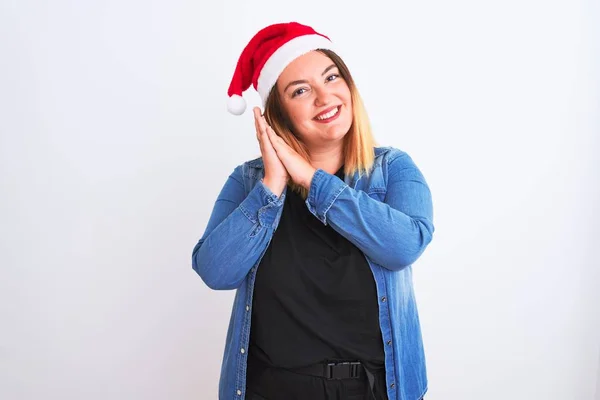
281, 162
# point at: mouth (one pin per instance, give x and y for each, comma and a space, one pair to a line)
328, 115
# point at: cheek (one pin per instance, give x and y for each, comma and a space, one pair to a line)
347, 96
300, 115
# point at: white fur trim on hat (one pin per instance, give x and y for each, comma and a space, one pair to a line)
284, 55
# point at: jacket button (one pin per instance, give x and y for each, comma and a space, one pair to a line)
239, 392
392, 385
383, 298
247, 308
389, 342
242, 350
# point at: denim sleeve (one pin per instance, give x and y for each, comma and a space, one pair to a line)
238, 231
393, 233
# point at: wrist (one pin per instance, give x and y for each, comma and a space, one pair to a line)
275, 185
308, 181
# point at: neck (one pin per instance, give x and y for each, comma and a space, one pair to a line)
329, 159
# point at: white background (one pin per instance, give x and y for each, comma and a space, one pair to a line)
115, 141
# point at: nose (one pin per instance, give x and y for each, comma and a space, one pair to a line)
322, 96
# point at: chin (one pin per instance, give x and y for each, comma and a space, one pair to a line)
340, 130
336, 130
338, 134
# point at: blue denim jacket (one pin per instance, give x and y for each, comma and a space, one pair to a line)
387, 215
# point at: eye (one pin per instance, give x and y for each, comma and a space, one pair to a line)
332, 77
298, 92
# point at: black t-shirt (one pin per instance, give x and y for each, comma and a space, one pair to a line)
315, 298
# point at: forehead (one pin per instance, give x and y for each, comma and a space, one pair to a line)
306, 66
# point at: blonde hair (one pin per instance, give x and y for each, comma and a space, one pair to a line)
359, 142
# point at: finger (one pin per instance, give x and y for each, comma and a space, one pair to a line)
257, 117
260, 122
257, 113
268, 143
261, 136
263, 127
272, 137
271, 134
275, 138
263, 123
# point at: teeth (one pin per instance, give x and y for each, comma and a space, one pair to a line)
329, 114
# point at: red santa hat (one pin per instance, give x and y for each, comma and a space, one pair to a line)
265, 57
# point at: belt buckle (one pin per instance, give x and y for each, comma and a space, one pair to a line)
343, 370
354, 369
330, 371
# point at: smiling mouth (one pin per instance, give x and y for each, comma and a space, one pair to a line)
326, 116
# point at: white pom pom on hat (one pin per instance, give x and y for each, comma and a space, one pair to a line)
265, 57
236, 104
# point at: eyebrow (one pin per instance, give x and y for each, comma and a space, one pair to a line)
305, 81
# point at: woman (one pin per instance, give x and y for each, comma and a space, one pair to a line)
317, 236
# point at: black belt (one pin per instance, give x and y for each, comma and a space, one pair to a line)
340, 370
330, 370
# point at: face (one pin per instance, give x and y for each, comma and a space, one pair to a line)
316, 99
